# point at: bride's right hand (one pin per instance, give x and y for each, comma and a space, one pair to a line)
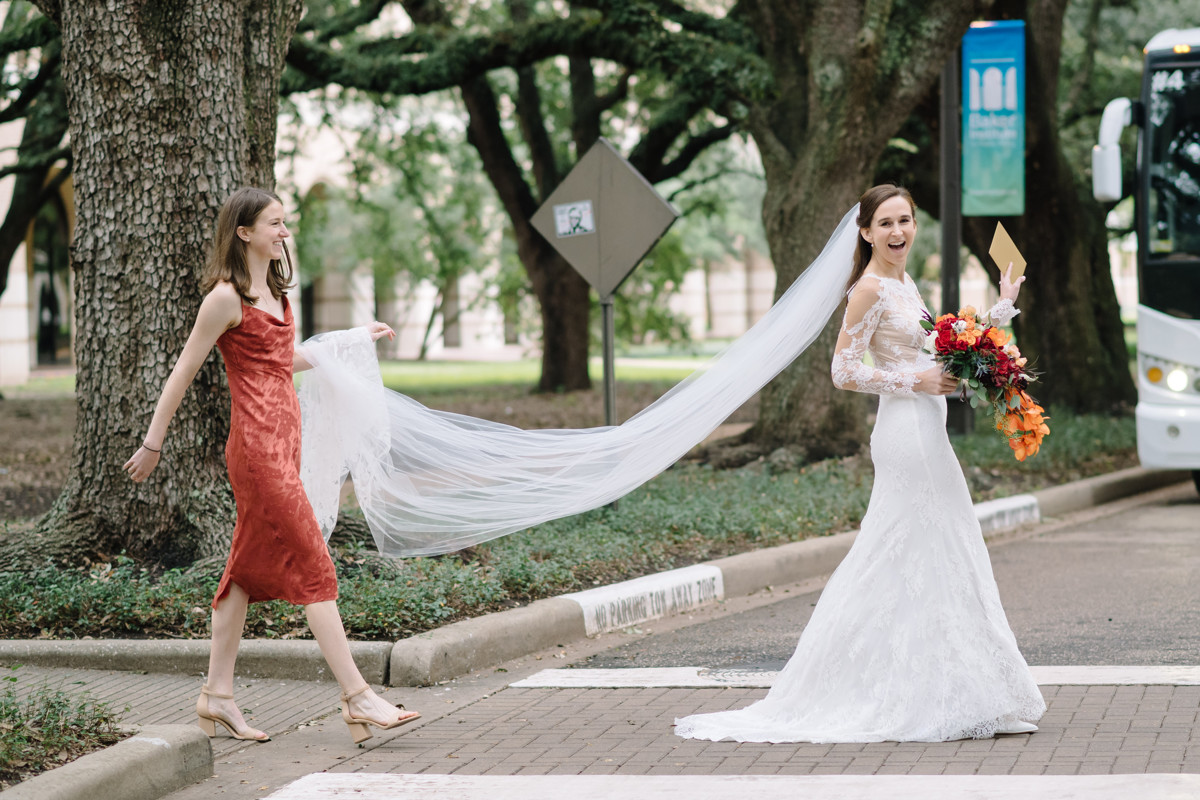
935, 381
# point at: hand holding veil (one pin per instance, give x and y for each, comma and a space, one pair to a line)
431, 482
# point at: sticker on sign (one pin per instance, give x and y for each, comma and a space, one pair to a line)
574, 219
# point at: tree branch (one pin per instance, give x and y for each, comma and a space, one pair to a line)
529, 114
693, 184
650, 153
41, 161
486, 135
694, 147
33, 87
606, 101
434, 57
340, 23
37, 32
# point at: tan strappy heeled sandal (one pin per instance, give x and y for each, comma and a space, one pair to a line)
358, 725
208, 719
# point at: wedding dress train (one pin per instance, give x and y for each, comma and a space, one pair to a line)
908, 641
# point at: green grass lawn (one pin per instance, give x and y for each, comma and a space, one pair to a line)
436, 377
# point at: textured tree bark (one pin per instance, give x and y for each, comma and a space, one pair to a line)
172, 106
1070, 327
847, 76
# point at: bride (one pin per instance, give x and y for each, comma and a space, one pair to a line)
909, 641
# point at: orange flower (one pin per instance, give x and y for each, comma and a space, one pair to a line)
968, 313
970, 337
1025, 426
997, 337
944, 318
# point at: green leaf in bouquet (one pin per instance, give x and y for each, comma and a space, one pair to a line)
1014, 401
926, 324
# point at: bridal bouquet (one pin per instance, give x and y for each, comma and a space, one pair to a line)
984, 356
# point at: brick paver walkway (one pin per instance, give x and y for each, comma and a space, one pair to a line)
1086, 730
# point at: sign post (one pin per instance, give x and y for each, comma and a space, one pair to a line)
993, 136
603, 218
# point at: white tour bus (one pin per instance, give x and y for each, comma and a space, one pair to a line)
1167, 215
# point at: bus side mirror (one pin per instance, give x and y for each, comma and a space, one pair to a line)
1106, 173
1106, 155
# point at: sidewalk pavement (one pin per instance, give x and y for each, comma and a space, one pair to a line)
476, 725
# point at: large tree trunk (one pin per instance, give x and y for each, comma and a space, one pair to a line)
563, 295
1070, 327
846, 79
564, 299
172, 106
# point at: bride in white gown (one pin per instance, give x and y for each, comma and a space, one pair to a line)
909, 641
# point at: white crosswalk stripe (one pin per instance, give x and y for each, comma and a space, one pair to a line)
698, 677
360, 786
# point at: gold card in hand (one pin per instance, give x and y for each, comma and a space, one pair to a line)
1004, 250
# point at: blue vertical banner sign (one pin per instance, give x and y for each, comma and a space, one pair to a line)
993, 108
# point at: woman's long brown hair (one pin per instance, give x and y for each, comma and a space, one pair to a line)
868, 204
227, 260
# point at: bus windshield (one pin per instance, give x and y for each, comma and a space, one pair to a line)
1171, 276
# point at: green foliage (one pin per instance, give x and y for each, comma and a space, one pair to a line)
417, 209
49, 728
640, 309
719, 198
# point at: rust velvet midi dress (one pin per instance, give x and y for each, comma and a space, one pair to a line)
278, 551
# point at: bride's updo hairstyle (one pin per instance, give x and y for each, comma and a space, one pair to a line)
227, 260
868, 204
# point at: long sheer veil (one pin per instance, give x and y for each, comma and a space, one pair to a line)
431, 482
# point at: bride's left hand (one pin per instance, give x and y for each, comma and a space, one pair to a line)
378, 330
1009, 287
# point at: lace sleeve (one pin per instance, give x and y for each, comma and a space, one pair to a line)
1002, 312
863, 312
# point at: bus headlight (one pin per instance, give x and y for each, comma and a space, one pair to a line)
1170, 375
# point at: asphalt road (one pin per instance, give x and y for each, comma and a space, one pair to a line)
1118, 587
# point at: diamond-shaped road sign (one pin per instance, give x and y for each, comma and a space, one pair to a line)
603, 218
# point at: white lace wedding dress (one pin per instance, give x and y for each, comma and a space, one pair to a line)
908, 641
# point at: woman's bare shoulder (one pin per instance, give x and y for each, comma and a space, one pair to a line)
223, 302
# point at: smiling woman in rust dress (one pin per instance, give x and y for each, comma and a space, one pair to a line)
278, 551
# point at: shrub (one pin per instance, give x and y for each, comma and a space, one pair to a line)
49, 728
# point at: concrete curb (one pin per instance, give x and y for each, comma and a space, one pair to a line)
297, 659
155, 761
457, 649
486, 641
